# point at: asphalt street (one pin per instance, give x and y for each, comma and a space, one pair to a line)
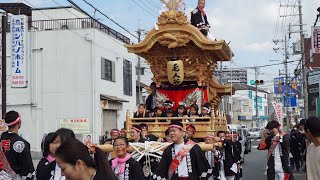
255, 163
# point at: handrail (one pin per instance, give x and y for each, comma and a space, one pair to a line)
78, 23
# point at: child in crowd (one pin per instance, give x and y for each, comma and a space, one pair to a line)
167, 105
181, 111
141, 112
46, 166
157, 112
205, 111
193, 112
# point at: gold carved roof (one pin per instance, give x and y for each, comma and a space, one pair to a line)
175, 32
176, 37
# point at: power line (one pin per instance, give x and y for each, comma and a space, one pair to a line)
80, 17
155, 5
267, 65
148, 7
144, 8
151, 4
73, 31
106, 17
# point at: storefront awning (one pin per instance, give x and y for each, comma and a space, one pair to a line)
112, 98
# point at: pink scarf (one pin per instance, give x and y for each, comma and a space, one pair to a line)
122, 163
202, 11
50, 158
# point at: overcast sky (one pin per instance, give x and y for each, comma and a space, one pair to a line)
250, 25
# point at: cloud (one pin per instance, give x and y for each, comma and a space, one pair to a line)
258, 47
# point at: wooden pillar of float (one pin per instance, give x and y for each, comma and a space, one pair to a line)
203, 146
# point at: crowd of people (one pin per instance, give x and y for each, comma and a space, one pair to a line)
303, 142
65, 157
167, 110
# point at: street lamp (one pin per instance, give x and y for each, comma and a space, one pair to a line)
318, 15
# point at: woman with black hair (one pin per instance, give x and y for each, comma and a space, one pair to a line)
194, 112
124, 166
76, 163
181, 111
46, 166
62, 135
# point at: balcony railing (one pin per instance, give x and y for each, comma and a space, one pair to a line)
78, 23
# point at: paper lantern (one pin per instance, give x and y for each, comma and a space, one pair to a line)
175, 70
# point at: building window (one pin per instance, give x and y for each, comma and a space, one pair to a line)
107, 70
142, 69
127, 77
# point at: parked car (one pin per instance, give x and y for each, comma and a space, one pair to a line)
244, 138
255, 132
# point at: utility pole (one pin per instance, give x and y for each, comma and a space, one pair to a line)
220, 72
303, 63
256, 98
139, 32
4, 65
286, 81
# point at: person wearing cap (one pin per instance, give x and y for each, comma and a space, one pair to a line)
190, 132
312, 131
183, 159
114, 133
213, 157
17, 149
145, 135
278, 145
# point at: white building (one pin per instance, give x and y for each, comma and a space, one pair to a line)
77, 69
240, 108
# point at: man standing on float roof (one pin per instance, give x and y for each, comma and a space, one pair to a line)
199, 18
17, 149
183, 159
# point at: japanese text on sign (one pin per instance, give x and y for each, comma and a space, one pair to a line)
315, 39
19, 28
78, 125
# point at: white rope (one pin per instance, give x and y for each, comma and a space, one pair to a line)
148, 150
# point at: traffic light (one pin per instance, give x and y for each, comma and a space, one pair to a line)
256, 82
294, 85
281, 86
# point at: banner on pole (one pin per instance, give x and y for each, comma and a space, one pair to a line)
19, 29
315, 39
278, 111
